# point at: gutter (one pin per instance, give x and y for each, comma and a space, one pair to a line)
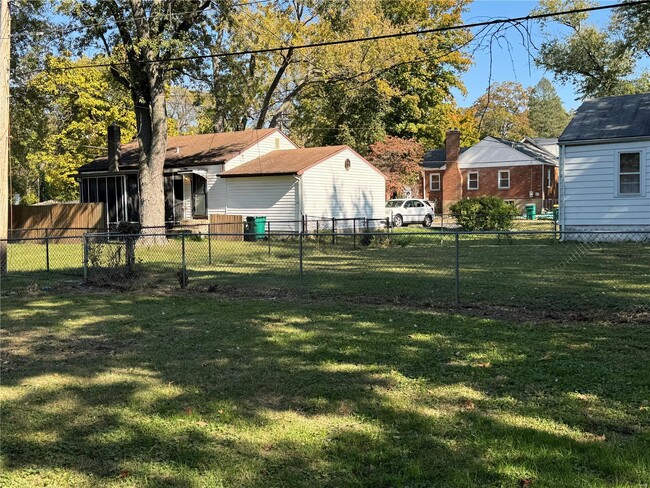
612, 140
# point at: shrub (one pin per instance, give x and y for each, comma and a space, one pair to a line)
483, 213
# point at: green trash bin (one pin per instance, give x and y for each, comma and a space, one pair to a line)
256, 228
531, 211
556, 212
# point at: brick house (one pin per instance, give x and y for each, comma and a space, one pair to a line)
518, 172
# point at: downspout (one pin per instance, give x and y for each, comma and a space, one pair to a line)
300, 202
424, 185
542, 182
225, 205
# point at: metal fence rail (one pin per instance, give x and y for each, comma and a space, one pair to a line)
553, 271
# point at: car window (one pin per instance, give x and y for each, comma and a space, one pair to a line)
393, 203
417, 203
409, 204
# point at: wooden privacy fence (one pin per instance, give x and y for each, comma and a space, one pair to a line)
227, 224
60, 219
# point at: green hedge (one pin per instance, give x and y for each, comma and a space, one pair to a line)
484, 213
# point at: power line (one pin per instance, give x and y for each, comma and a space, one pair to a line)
71, 29
513, 20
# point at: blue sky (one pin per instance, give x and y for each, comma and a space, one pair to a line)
515, 65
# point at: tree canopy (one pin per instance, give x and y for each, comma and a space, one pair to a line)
546, 115
598, 61
503, 111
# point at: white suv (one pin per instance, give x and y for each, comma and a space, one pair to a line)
406, 211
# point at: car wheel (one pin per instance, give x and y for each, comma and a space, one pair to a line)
398, 221
428, 220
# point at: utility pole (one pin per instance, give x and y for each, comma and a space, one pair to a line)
5, 47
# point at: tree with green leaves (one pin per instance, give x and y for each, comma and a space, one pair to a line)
144, 41
597, 61
72, 109
349, 93
503, 111
546, 114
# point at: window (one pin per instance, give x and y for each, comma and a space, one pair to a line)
549, 180
472, 181
510, 202
629, 173
347, 165
504, 180
434, 182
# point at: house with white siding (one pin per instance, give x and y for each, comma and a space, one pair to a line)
605, 166
250, 173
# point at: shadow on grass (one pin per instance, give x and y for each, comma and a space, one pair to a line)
182, 389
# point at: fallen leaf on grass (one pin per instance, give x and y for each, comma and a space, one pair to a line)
124, 474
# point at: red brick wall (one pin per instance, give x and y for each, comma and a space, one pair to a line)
433, 196
523, 179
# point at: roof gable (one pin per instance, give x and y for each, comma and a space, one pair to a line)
284, 162
619, 117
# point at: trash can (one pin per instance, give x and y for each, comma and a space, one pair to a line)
531, 211
556, 212
255, 228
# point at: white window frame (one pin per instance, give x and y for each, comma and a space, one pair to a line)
469, 180
499, 179
431, 175
617, 173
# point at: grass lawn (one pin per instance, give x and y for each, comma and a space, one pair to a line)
127, 389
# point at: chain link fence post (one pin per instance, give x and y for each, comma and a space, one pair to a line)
183, 264
47, 250
300, 258
85, 254
268, 235
457, 268
354, 233
210, 244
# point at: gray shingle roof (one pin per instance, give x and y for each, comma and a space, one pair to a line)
193, 150
610, 118
436, 158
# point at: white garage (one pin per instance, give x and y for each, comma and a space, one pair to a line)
319, 183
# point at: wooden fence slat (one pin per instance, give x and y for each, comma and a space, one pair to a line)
227, 224
62, 219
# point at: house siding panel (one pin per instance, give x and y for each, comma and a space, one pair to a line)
274, 197
329, 190
589, 187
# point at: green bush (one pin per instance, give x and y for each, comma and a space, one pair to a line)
483, 213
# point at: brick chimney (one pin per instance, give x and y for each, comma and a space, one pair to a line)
452, 181
114, 147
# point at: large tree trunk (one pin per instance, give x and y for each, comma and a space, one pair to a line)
152, 136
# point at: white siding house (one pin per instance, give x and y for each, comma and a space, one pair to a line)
250, 173
605, 167
318, 183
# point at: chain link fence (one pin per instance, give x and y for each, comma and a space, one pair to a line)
535, 269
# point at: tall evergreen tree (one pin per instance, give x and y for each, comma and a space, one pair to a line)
546, 114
